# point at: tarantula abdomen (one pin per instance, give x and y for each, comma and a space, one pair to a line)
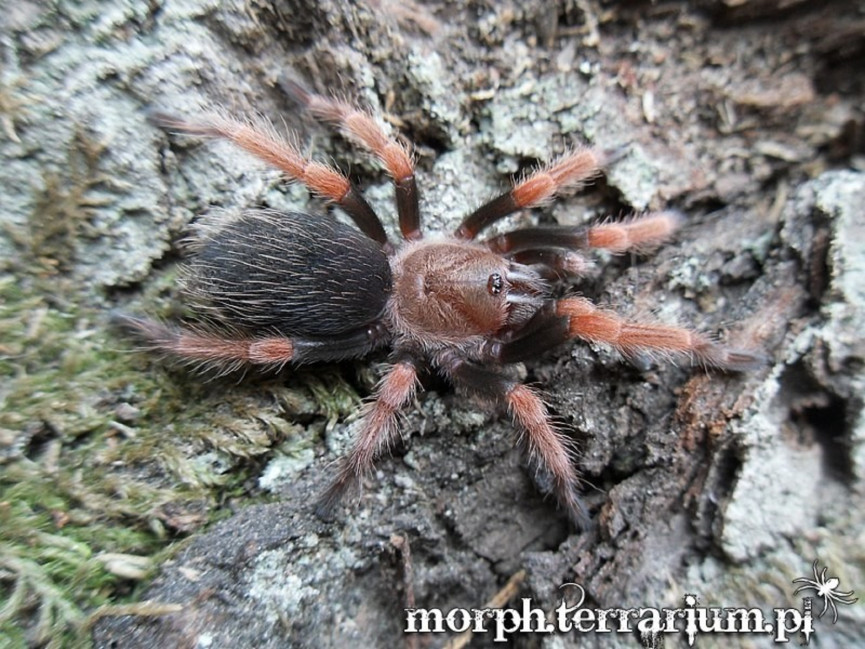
292, 273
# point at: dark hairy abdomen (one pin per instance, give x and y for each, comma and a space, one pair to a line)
295, 273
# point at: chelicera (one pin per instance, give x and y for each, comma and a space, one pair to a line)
294, 288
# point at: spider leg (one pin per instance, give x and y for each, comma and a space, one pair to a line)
262, 141
362, 128
544, 331
638, 233
809, 583
552, 263
559, 321
378, 429
570, 171
546, 448
588, 322
826, 601
209, 349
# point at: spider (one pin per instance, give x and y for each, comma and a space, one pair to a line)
293, 288
825, 588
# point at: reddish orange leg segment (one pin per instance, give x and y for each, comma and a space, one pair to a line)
207, 350
264, 143
570, 171
634, 234
644, 231
378, 429
546, 448
588, 322
361, 127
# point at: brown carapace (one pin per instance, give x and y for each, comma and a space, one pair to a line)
292, 288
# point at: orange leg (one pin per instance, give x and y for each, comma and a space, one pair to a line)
211, 350
588, 322
638, 233
568, 172
546, 448
262, 141
378, 430
362, 128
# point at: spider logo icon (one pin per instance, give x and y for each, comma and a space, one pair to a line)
826, 588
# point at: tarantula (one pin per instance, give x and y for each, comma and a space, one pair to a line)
296, 288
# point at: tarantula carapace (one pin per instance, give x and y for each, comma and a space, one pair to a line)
285, 288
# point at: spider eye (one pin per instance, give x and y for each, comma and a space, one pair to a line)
495, 284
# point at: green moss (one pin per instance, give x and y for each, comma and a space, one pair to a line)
58, 510
334, 396
108, 458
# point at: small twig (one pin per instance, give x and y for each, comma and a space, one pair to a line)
508, 591
147, 608
404, 548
